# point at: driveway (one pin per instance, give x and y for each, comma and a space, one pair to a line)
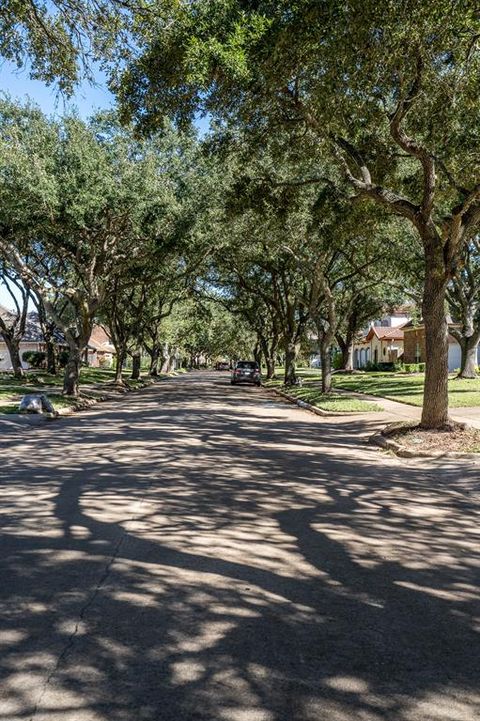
200, 552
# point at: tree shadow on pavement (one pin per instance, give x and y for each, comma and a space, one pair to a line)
205, 553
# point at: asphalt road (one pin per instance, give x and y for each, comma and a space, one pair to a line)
201, 552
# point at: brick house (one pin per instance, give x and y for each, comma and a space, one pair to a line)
414, 347
100, 350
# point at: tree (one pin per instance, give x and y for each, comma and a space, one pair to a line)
13, 324
50, 332
403, 127
92, 198
59, 229
463, 295
59, 40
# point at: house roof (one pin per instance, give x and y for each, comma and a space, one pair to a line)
100, 340
415, 325
33, 332
383, 333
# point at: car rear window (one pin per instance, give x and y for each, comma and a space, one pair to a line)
246, 364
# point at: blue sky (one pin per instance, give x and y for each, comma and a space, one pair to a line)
87, 99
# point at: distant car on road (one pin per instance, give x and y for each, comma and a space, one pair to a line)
222, 366
246, 372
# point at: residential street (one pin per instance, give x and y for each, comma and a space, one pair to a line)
199, 552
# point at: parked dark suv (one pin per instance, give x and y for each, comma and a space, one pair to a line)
246, 372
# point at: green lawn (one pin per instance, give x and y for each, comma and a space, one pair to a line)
310, 392
12, 390
408, 388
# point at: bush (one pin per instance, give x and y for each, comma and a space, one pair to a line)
34, 358
337, 362
386, 366
414, 367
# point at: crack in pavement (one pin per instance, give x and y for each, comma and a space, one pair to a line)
84, 609
81, 616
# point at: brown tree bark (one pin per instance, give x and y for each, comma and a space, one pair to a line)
154, 353
120, 357
468, 367
13, 346
71, 378
51, 357
326, 368
346, 349
136, 365
269, 356
435, 403
292, 350
469, 353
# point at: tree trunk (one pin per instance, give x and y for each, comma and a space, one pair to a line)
468, 365
345, 350
72, 371
51, 357
119, 361
347, 357
326, 367
435, 399
136, 365
13, 347
164, 358
269, 356
154, 358
291, 353
270, 363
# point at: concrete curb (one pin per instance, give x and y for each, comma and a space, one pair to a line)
378, 439
309, 407
84, 404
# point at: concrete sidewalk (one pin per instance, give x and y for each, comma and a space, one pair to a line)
404, 411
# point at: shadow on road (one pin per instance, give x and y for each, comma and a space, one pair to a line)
206, 553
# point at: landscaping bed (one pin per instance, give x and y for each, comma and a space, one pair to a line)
418, 441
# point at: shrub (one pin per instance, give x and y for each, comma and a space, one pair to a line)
386, 366
34, 358
414, 367
337, 362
